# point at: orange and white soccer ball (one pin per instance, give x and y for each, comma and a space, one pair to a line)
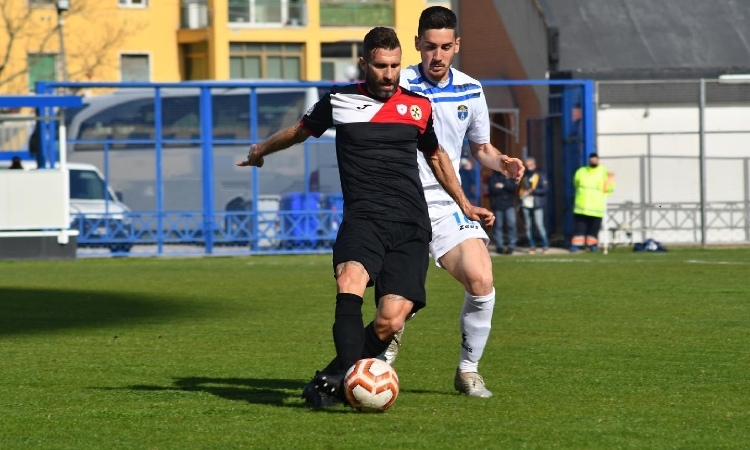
371, 385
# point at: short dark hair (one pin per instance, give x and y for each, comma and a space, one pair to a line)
379, 38
436, 18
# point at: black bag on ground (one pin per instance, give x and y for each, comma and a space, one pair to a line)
649, 245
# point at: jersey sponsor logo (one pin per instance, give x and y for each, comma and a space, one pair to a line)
401, 109
416, 112
363, 106
463, 112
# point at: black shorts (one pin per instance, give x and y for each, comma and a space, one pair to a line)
395, 255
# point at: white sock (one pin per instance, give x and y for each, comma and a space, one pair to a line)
476, 321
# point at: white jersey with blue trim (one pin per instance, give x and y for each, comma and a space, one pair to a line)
459, 110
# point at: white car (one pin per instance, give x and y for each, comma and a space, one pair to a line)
101, 218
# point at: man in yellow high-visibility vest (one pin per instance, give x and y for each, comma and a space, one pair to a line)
593, 183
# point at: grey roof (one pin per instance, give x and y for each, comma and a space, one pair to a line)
651, 38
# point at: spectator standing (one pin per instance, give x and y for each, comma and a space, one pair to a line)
592, 184
533, 192
503, 201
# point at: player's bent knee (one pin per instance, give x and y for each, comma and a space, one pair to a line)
480, 284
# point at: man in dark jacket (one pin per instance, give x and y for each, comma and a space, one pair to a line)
503, 202
533, 193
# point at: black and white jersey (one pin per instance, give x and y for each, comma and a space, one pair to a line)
376, 149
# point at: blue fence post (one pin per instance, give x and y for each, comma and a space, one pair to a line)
158, 117
588, 111
255, 185
106, 197
207, 136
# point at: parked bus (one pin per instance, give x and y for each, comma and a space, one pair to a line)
119, 131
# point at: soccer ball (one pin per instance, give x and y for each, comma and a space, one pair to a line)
371, 385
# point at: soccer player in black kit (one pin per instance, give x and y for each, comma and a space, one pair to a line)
385, 234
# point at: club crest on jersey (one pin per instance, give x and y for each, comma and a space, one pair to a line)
416, 112
401, 109
463, 112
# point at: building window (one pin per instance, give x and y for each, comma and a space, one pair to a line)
134, 68
339, 61
263, 61
41, 68
267, 12
133, 3
356, 13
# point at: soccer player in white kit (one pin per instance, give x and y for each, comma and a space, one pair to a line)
458, 245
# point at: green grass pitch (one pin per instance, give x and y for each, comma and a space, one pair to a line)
619, 351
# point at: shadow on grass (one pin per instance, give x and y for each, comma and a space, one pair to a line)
260, 391
24, 311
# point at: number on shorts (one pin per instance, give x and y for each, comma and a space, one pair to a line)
459, 216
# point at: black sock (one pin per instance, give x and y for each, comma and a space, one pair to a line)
348, 333
374, 346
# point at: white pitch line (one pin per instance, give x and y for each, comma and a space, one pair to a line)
699, 261
554, 260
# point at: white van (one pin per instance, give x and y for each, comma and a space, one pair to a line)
96, 211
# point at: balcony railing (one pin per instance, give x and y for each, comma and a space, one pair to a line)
194, 14
356, 13
267, 12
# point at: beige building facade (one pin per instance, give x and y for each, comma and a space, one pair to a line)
178, 40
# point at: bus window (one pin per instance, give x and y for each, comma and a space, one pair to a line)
181, 118
276, 110
231, 116
279, 110
133, 119
121, 119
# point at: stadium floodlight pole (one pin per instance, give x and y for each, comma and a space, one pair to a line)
702, 157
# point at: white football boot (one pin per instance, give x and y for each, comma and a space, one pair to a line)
389, 355
471, 384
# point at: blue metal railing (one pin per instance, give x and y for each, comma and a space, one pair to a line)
264, 228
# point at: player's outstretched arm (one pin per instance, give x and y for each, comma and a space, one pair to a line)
278, 141
442, 168
489, 156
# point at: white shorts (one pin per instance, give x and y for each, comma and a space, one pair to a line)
450, 227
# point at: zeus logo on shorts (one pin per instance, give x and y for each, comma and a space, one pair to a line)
464, 223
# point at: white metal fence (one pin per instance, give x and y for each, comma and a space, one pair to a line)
681, 154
